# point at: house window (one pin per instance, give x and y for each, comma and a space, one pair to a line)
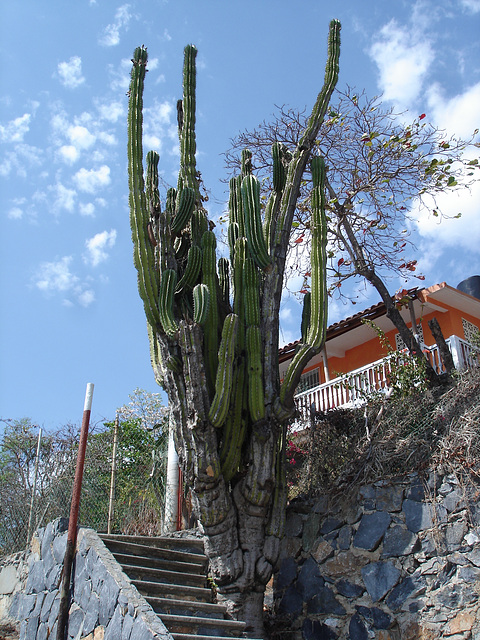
308, 381
400, 344
470, 331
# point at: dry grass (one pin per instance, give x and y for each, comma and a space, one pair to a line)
387, 438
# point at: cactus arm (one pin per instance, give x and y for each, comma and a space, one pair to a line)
144, 254
300, 158
209, 277
192, 270
223, 384
253, 221
167, 289
201, 303
224, 278
188, 172
315, 336
307, 305
184, 209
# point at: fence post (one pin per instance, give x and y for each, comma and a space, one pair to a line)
112, 479
34, 488
73, 520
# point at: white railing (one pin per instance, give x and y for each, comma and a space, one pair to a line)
354, 387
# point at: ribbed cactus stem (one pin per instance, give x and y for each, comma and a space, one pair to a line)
188, 145
144, 254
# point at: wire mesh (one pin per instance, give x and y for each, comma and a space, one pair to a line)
135, 499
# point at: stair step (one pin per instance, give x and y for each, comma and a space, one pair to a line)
136, 572
179, 607
194, 636
143, 550
159, 563
163, 590
192, 545
202, 626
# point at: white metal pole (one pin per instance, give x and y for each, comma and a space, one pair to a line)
171, 492
34, 488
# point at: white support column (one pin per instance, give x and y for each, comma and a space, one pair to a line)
171, 492
456, 350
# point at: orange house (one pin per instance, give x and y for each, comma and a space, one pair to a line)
353, 361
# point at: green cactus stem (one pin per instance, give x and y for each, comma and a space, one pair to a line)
253, 221
223, 384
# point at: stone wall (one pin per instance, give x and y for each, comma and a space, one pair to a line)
399, 560
105, 605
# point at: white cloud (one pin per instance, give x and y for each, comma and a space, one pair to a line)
159, 125
459, 115
53, 277
90, 180
87, 209
64, 198
15, 213
112, 111
80, 137
452, 233
111, 33
86, 298
71, 72
16, 129
471, 6
98, 245
69, 153
403, 56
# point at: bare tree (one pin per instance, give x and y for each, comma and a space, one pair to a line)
377, 166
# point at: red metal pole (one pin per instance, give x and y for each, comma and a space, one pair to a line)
72, 523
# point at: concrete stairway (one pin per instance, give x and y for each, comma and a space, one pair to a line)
171, 574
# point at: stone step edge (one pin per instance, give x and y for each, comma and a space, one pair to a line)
196, 558
168, 618
194, 636
145, 585
156, 541
175, 576
178, 602
139, 561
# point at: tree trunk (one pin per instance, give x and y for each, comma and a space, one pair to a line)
445, 354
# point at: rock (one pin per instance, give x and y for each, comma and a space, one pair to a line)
8, 580
399, 541
329, 525
286, 574
375, 617
344, 538
389, 498
36, 578
454, 534
315, 630
416, 490
379, 578
108, 599
345, 563
310, 531
461, 623
293, 525
113, 630
418, 515
324, 602
349, 589
410, 586
291, 603
474, 557
451, 500
371, 530
322, 550
357, 629
309, 580
75, 620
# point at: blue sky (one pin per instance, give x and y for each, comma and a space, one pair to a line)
70, 309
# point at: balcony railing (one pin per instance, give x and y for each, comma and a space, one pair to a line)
353, 388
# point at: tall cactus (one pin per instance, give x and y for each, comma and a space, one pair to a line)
214, 331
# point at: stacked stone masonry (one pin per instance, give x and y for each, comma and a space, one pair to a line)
104, 606
399, 561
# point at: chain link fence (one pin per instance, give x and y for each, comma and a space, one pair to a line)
123, 488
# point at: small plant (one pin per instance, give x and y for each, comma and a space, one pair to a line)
406, 372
